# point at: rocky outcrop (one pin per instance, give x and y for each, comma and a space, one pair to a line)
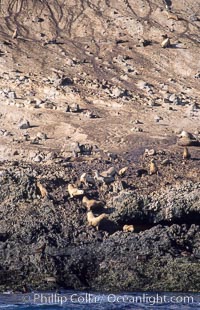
45, 238
178, 204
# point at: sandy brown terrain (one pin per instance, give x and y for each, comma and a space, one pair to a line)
106, 57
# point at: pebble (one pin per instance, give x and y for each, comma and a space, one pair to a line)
116, 92
24, 124
184, 141
158, 118
73, 108
41, 136
50, 156
166, 162
20, 105
151, 103
49, 105
2, 132
11, 95
38, 158
193, 18
15, 153
137, 129
35, 141
27, 137
138, 122
75, 149
90, 114
150, 152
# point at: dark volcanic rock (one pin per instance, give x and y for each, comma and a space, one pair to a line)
49, 238
180, 204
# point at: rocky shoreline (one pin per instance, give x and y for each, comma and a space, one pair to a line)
87, 88
46, 243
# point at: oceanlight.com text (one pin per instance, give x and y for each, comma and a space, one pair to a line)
87, 298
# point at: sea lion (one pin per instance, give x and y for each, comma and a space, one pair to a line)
87, 179
74, 191
98, 177
128, 228
91, 203
42, 189
95, 221
103, 180
171, 15
186, 154
109, 173
14, 35
118, 186
50, 279
122, 171
149, 152
153, 169
165, 43
40, 249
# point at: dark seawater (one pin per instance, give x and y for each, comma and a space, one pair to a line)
72, 300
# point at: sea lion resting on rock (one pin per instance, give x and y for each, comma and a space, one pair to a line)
171, 15
14, 35
95, 221
122, 171
92, 203
109, 173
186, 154
165, 43
128, 228
153, 167
74, 191
87, 179
103, 180
42, 189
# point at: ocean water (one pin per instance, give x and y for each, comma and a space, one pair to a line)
72, 300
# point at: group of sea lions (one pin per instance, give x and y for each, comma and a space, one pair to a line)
107, 177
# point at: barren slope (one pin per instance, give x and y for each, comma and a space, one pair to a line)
106, 57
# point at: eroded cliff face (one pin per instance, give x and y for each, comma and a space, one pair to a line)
85, 86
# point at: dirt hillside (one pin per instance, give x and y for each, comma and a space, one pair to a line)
106, 57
